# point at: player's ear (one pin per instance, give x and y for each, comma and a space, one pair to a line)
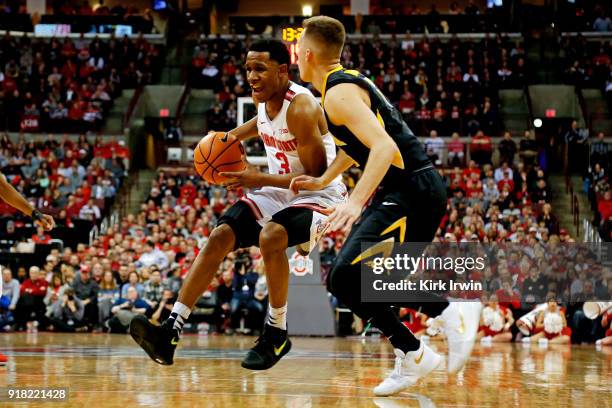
283, 68
308, 55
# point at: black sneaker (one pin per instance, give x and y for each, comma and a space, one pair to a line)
158, 341
271, 346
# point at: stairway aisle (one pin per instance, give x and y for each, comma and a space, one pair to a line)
140, 190
561, 203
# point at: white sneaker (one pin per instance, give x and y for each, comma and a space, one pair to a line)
543, 342
460, 323
599, 342
409, 368
526, 340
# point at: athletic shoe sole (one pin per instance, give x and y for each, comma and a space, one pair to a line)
138, 331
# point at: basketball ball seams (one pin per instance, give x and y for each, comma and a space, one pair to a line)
205, 158
207, 164
229, 164
223, 151
211, 146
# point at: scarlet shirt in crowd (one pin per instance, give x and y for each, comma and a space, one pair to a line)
37, 287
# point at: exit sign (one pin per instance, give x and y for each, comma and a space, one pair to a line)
164, 112
551, 113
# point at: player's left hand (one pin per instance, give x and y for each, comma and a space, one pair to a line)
343, 217
250, 177
46, 221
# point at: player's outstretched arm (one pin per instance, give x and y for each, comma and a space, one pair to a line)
246, 131
16, 200
345, 106
341, 163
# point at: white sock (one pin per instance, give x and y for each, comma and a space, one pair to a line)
180, 313
277, 317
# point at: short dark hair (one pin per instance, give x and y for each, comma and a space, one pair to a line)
277, 50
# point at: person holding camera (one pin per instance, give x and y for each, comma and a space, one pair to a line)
125, 309
68, 312
165, 306
244, 281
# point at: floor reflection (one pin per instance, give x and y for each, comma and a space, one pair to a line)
108, 371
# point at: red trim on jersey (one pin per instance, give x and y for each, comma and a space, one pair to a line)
289, 95
315, 207
253, 206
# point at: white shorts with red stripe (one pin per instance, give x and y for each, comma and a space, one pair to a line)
267, 201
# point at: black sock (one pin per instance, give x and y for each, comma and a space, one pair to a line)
398, 334
176, 322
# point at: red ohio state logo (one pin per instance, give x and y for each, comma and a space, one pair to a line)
300, 265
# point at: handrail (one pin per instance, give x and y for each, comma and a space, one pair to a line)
577, 216
182, 104
132, 106
583, 107
93, 234
529, 105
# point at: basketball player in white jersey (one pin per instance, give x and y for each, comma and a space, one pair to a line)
294, 131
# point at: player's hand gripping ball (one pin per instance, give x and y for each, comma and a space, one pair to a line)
218, 152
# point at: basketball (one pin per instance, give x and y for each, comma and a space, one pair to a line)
218, 152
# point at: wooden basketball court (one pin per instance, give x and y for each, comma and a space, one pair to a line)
104, 370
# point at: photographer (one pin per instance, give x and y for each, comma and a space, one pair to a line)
165, 306
243, 298
124, 311
67, 313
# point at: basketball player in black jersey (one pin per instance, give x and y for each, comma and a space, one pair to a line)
408, 205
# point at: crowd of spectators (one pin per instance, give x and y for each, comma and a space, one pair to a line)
61, 85
137, 266
444, 86
71, 180
74, 8
587, 63
121, 272
597, 185
585, 16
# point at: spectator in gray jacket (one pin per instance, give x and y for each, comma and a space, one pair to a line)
86, 289
68, 312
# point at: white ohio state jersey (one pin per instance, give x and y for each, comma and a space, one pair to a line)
280, 144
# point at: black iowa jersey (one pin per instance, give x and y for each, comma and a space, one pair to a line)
413, 155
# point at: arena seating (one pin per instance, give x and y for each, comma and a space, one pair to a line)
68, 86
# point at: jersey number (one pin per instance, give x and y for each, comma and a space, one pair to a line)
285, 169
